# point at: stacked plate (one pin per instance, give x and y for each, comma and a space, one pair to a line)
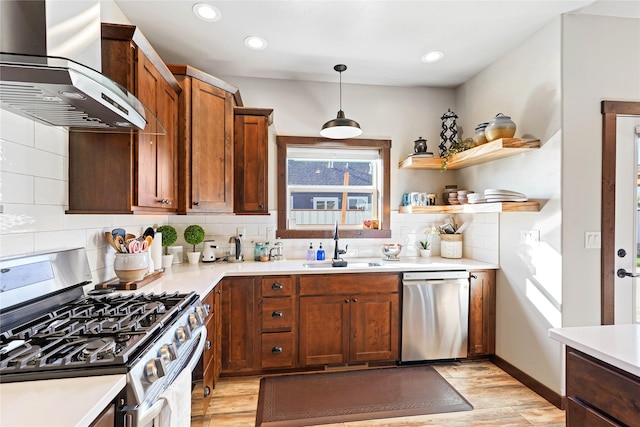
453, 198
476, 198
463, 196
497, 195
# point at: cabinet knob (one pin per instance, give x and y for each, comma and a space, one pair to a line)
355, 300
207, 307
276, 286
218, 292
207, 345
165, 201
473, 276
277, 314
207, 391
346, 301
277, 349
196, 203
261, 206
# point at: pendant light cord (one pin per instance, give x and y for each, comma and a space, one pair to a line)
340, 90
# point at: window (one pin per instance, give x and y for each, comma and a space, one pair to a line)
321, 181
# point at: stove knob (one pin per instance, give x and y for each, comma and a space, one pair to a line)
182, 335
154, 369
203, 311
194, 321
168, 352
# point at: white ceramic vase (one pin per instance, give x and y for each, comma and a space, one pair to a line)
425, 253
194, 257
167, 261
131, 267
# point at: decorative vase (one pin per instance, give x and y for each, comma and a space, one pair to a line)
131, 267
425, 253
500, 126
194, 257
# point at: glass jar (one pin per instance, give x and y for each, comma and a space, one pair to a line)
500, 126
256, 251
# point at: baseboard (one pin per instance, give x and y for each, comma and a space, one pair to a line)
530, 382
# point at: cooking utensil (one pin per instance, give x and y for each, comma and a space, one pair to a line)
129, 236
118, 232
121, 244
149, 232
134, 246
111, 241
462, 228
149, 240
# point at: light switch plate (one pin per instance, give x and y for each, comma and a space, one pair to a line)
592, 240
529, 237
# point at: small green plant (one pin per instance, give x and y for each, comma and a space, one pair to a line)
425, 244
457, 147
169, 236
194, 235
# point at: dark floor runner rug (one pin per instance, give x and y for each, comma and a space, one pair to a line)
334, 397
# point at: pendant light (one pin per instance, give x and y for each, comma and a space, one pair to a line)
340, 127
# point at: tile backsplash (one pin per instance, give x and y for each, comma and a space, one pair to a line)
34, 197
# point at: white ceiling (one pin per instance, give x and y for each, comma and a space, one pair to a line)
381, 42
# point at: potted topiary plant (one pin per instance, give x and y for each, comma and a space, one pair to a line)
194, 235
169, 237
425, 248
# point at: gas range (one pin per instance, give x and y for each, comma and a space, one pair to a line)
51, 329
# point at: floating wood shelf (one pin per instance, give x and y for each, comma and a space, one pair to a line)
493, 150
473, 208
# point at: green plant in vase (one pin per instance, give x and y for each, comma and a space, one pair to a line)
169, 236
458, 147
194, 235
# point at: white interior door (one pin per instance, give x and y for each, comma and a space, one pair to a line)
627, 238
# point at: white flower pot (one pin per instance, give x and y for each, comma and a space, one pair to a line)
425, 253
167, 261
194, 257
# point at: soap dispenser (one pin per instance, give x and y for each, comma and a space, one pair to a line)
311, 254
320, 253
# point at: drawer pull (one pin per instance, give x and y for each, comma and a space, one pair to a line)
277, 349
207, 391
207, 345
207, 307
276, 286
277, 314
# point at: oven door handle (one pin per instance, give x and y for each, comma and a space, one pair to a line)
154, 410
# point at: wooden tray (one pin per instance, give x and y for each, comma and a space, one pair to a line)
130, 286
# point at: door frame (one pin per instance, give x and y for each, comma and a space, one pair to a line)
610, 112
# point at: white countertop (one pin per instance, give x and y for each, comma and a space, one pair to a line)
617, 345
68, 402
78, 401
203, 277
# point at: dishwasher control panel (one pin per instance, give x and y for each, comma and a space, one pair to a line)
435, 275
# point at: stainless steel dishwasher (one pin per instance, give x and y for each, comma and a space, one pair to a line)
435, 314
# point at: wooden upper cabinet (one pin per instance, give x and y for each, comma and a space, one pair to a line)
205, 141
134, 172
251, 144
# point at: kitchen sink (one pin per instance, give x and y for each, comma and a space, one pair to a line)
351, 264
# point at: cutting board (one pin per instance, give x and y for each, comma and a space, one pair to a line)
130, 286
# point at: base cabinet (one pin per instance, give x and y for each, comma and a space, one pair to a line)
209, 367
350, 318
239, 325
482, 313
599, 394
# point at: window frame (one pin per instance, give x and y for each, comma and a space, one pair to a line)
383, 146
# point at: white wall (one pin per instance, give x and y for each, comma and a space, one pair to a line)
608, 70
526, 85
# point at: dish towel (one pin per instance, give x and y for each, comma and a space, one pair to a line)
177, 397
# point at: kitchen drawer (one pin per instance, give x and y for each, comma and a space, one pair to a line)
278, 350
341, 284
277, 314
208, 384
208, 302
603, 387
277, 286
579, 415
209, 346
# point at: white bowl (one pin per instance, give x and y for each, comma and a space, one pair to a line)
391, 250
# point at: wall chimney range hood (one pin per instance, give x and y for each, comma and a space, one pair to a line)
57, 90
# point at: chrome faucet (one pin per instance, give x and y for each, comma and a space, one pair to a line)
337, 261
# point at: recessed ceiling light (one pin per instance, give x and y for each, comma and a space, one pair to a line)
433, 56
207, 12
255, 43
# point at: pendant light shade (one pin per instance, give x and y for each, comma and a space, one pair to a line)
340, 127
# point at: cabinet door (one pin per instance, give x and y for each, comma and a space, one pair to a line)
250, 164
324, 326
211, 148
146, 147
482, 313
374, 327
239, 325
217, 324
166, 151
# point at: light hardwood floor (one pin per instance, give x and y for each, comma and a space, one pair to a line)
498, 400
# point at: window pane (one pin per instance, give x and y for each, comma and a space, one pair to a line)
330, 172
313, 208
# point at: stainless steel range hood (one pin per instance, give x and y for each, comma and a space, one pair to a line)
54, 90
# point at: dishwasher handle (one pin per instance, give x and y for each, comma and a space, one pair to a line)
434, 275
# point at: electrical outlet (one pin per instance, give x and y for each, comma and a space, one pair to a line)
271, 234
529, 237
592, 240
241, 231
